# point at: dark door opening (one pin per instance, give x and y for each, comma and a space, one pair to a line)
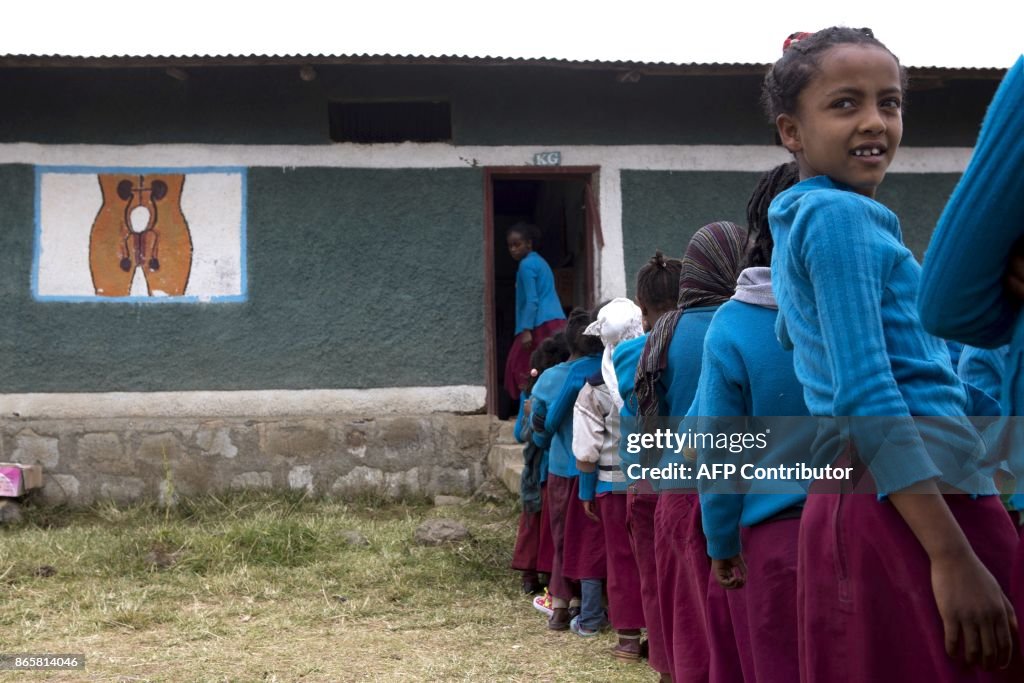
557, 203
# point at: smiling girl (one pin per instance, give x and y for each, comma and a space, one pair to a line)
888, 587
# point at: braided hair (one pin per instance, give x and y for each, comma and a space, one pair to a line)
759, 235
801, 55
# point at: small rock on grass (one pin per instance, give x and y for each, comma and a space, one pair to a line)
10, 512
354, 538
439, 531
161, 557
492, 491
444, 501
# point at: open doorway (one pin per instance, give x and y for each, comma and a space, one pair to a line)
560, 203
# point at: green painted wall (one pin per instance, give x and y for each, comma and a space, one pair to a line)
918, 200
500, 105
662, 209
348, 270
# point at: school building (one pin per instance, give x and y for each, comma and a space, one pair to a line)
289, 272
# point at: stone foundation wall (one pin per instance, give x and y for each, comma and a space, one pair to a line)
129, 460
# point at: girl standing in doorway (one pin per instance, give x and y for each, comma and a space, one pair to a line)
538, 310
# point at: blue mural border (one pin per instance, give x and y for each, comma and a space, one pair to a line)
243, 173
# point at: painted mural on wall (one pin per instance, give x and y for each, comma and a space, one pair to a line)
140, 230
140, 235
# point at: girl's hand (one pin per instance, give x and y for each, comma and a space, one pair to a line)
526, 339
1013, 280
977, 617
730, 573
588, 510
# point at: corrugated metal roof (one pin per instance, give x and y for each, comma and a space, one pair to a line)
645, 68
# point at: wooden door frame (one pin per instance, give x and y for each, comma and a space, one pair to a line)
589, 175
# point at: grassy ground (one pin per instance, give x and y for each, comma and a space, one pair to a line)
260, 588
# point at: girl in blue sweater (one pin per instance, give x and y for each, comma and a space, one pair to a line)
657, 291
532, 554
553, 398
538, 309
889, 587
972, 282
744, 372
666, 384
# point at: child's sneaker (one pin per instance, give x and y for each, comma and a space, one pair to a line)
542, 603
575, 627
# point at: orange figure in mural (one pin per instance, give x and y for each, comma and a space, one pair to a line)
140, 226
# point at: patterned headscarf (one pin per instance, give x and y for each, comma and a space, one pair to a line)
710, 268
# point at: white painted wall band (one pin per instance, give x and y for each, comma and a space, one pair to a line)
249, 404
438, 155
611, 159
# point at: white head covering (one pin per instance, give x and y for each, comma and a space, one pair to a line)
618, 320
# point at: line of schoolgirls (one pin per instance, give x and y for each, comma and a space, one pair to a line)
815, 313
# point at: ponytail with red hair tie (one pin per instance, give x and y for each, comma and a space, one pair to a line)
795, 38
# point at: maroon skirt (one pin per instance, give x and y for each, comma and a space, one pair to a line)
866, 609
560, 492
583, 547
517, 365
640, 508
545, 549
625, 608
728, 636
683, 572
770, 550
524, 555
1017, 586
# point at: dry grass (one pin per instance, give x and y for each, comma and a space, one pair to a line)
259, 588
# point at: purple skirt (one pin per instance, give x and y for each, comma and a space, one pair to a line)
517, 365
866, 610
770, 550
683, 572
545, 548
524, 555
640, 509
1017, 584
728, 635
625, 608
560, 491
583, 547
